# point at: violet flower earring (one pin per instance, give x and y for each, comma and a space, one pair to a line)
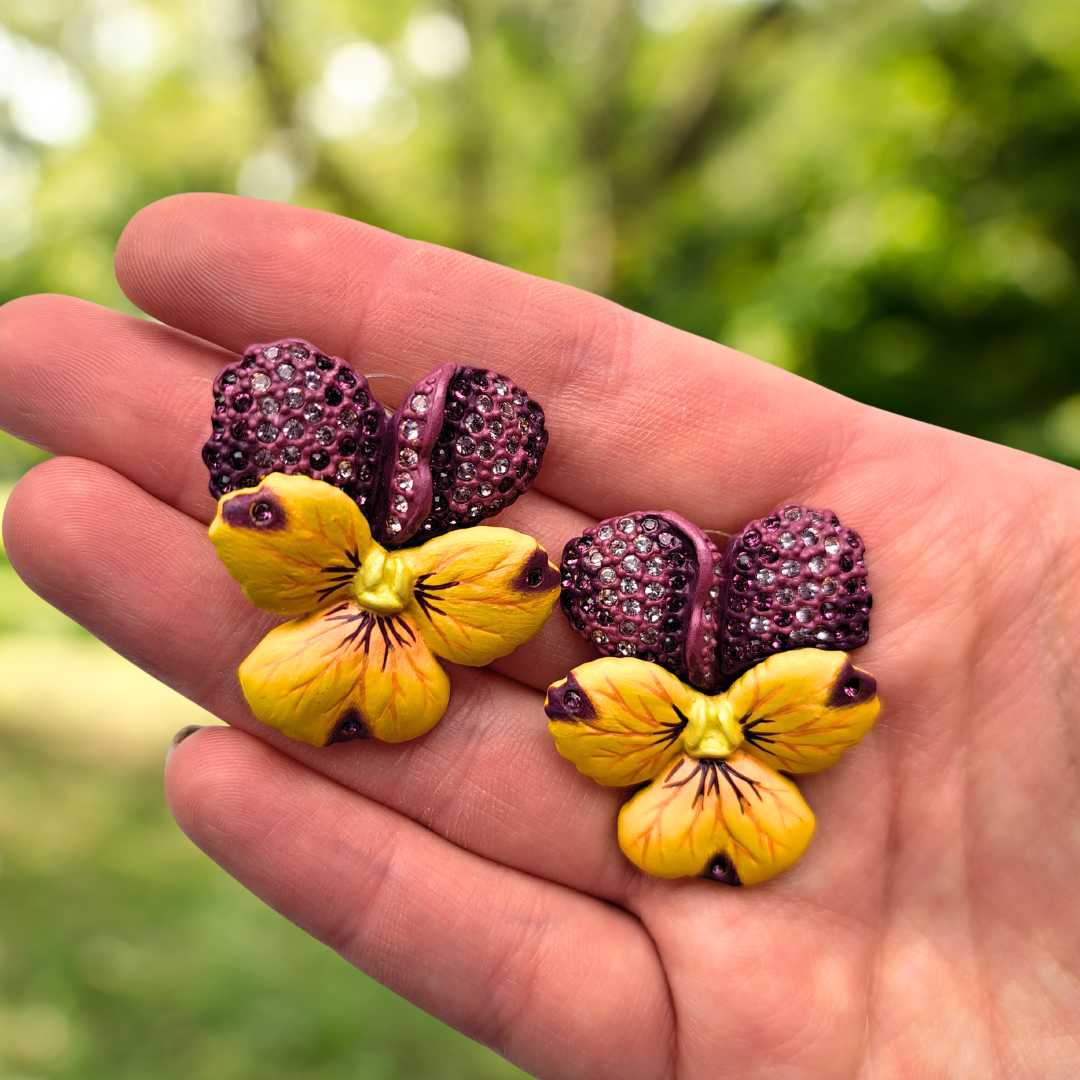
311, 475
669, 608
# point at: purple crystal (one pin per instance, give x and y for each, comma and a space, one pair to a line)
796, 579
646, 584
464, 444
281, 412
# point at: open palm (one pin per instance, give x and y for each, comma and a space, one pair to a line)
932, 928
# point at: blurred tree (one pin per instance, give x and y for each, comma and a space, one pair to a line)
882, 197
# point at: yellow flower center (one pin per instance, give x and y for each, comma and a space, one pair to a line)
712, 730
383, 583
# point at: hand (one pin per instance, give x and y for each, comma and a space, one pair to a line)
931, 929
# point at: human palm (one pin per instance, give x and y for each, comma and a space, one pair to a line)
931, 929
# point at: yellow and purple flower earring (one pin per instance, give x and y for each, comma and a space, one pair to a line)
308, 469
679, 619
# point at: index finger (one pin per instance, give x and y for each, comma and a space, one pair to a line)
639, 412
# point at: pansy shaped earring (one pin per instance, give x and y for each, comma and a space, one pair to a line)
360, 653
716, 804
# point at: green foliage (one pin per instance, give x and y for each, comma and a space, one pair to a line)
881, 196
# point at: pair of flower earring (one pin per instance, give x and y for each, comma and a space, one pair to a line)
723, 670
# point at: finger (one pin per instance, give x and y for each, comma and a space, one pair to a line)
134, 396
636, 409
554, 981
143, 578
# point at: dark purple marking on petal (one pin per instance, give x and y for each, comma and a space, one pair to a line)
568, 701
537, 575
255, 510
853, 686
721, 870
350, 727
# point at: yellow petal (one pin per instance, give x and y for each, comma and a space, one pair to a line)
799, 711
619, 720
480, 593
345, 673
293, 543
731, 819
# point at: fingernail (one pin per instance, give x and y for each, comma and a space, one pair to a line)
181, 735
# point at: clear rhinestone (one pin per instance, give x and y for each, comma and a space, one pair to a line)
419, 403
344, 470
625, 648
790, 568
500, 467
465, 446
605, 532
485, 490
655, 567
410, 430
744, 562
264, 459
817, 564
506, 409
466, 471
643, 545
628, 585
758, 625
714, 594
324, 435
808, 590
650, 524
792, 513
484, 403
408, 457
631, 607
403, 481
804, 615
808, 537
293, 429
765, 576
828, 586
815, 517
654, 590
266, 432
608, 597
286, 372
400, 504
461, 495
832, 544
268, 406
787, 540
785, 596
312, 379
474, 422
500, 388
627, 628
600, 637
260, 382
312, 410
271, 353
393, 526
824, 635
608, 575
798, 637
667, 539
631, 564
348, 419
653, 615
627, 526
294, 397
649, 636
290, 455
618, 548
594, 559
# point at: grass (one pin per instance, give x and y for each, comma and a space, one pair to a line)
124, 952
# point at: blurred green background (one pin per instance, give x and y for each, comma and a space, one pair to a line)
882, 196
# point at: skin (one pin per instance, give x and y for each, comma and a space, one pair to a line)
932, 929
